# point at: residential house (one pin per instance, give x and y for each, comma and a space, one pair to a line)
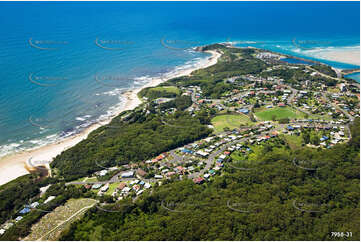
128, 174
50, 198
198, 180
103, 172
25, 210
125, 190
141, 172
136, 188
18, 218
96, 186
171, 173
105, 188
121, 186
34, 204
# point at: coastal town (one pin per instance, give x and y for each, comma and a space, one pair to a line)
313, 107
259, 110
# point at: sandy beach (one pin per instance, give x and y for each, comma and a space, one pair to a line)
349, 56
15, 165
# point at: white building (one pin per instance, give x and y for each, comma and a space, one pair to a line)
105, 188
202, 153
126, 189
34, 205
158, 176
128, 174
49, 199
18, 218
103, 173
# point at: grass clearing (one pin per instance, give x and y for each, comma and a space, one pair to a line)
112, 187
247, 160
278, 113
159, 92
52, 224
171, 89
82, 179
294, 141
316, 116
231, 121
333, 89
91, 179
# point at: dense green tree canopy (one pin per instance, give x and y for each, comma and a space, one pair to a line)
121, 142
277, 200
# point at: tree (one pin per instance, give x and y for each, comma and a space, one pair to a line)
306, 136
284, 121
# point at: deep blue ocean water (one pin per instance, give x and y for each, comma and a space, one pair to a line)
65, 65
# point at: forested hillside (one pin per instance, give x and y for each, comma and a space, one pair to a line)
276, 200
134, 139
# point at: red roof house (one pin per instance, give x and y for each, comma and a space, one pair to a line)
198, 180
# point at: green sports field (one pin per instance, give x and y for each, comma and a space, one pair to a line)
278, 113
229, 120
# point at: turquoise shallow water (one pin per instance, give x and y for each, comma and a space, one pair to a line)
355, 76
66, 65
296, 61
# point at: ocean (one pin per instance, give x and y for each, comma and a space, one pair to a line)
66, 65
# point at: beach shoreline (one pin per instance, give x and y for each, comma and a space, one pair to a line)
15, 165
348, 56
